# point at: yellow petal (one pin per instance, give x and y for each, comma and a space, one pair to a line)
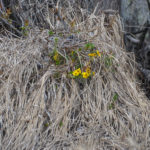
88, 70
98, 53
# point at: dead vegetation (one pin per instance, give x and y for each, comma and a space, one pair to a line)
42, 108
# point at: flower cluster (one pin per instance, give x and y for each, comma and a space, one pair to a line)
84, 74
87, 73
76, 72
73, 56
97, 53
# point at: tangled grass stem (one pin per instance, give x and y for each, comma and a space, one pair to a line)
39, 111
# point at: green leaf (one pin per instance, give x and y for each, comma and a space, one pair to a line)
115, 97
46, 124
22, 28
57, 62
79, 49
111, 106
51, 33
108, 61
56, 40
89, 46
61, 124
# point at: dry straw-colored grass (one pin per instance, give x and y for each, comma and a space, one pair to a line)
39, 111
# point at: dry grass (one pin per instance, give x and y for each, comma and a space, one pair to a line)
40, 111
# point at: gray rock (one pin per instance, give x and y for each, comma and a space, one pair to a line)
134, 13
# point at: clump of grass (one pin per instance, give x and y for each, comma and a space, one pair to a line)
49, 105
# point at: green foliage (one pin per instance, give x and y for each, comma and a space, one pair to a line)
56, 40
89, 46
115, 98
24, 30
57, 58
60, 34
55, 44
51, 33
74, 56
60, 124
47, 124
108, 61
81, 59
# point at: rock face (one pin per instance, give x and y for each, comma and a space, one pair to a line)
134, 13
136, 19
104, 4
109, 4
136, 16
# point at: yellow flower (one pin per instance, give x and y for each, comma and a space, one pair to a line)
92, 54
98, 53
85, 75
88, 70
93, 73
77, 72
55, 57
